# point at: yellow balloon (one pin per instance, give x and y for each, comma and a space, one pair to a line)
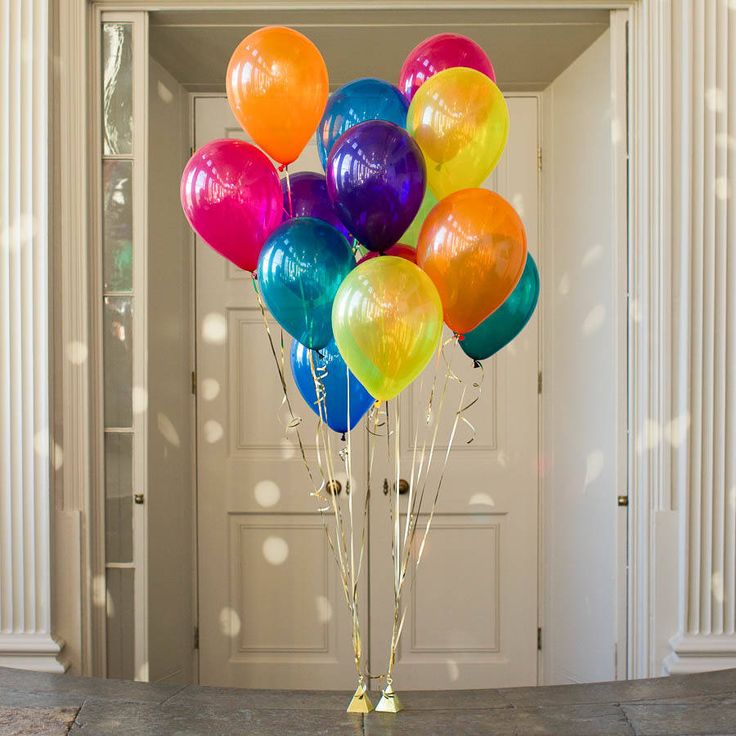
460, 120
387, 320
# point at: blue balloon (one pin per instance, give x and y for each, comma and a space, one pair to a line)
332, 371
498, 330
356, 102
300, 268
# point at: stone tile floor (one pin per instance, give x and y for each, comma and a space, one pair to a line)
47, 705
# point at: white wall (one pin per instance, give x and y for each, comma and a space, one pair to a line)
170, 404
581, 368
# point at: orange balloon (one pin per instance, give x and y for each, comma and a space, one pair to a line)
277, 88
473, 247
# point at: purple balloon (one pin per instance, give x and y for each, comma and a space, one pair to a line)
309, 199
376, 180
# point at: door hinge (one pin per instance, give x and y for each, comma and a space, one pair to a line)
194, 382
196, 637
623, 500
539, 639
539, 158
539, 382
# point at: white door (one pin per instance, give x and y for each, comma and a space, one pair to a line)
271, 607
472, 618
271, 611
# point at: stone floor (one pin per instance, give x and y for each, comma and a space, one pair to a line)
33, 703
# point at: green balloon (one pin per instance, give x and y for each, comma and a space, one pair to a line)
411, 236
498, 330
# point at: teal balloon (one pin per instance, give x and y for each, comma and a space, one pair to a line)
300, 268
498, 330
356, 102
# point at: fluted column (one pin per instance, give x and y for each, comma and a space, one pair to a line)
704, 218
25, 584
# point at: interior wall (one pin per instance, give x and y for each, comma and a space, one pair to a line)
580, 467
170, 403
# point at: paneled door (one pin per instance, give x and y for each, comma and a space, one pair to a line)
271, 608
472, 617
270, 603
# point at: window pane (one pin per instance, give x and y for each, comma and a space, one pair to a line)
118, 349
117, 88
120, 624
118, 497
117, 224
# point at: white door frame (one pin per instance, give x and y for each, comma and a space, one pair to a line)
649, 370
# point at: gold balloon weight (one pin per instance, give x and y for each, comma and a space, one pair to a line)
389, 702
361, 702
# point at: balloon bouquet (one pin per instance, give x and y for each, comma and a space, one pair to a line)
364, 264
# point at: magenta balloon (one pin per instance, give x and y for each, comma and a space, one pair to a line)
440, 52
231, 195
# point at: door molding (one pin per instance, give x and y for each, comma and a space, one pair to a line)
77, 600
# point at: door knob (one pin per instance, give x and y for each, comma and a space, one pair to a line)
403, 486
334, 487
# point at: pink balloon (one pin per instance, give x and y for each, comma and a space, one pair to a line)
231, 195
402, 251
440, 52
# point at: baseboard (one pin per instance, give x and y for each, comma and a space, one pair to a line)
700, 653
37, 652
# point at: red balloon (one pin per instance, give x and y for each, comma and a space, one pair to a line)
231, 195
402, 251
440, 52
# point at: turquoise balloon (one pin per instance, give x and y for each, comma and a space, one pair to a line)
300, 268
498, 330
356, 102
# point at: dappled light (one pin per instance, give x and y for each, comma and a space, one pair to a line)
275, 550
210, 389
324, 609
76, 352
594, 320
167, 429
267, 493
229, 622
213, 431
214, 329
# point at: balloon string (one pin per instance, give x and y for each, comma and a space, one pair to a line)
345, 560
288, 190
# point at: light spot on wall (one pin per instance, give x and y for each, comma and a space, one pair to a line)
275, 550
723, 189
649, 437
716, 585
76, 352
481, 499
517, 200
715, 100
676, 430
324, 609
594, 320
453, 670
210, 389
288, 450
213, 431
214, 329
167, 429
267, 493
164, 93
564, 286
139, 398
594, 466
593, 254
18, 233
229, 622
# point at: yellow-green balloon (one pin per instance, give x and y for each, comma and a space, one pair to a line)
387, 321
411, 236
460, 120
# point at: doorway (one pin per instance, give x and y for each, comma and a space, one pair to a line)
264, 618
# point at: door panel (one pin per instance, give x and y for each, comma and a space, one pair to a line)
272, 611
472, 619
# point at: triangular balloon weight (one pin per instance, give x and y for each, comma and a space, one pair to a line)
360, 703
389, 702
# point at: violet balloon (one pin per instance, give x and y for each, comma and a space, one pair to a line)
230, 194
376, 179
440, 52
309, 199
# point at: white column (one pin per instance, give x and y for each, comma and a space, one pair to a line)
25, 499
704, 329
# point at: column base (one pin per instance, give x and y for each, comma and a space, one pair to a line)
38, 652
700, 653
